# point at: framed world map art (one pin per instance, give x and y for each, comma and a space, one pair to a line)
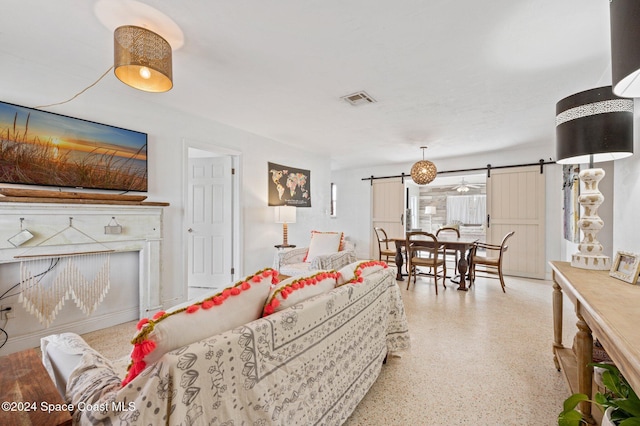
289, 186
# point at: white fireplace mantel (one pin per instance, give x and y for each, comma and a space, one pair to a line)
141, 232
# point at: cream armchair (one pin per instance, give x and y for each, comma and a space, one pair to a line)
299, 261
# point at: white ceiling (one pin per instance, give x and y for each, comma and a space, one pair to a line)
462, 76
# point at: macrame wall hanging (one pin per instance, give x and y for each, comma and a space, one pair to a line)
83, 274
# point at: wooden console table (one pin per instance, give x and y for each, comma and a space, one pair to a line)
608, 309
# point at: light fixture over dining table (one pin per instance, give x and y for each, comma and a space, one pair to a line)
423, 171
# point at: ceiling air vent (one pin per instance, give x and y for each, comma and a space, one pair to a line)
359, 98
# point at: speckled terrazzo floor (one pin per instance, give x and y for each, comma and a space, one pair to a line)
477, 358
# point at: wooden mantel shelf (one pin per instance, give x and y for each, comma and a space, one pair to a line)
19, 195
79, 201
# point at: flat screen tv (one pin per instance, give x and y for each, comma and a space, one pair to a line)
44, 148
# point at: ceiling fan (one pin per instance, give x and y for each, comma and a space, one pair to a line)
464, 186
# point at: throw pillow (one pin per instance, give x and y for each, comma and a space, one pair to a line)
355, 272
323, 243
296, 289
183, 324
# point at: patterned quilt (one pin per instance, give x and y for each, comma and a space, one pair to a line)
310, 364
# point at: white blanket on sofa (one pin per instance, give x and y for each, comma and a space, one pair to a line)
309, 364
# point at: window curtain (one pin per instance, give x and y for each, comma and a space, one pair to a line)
415, 219
467, 209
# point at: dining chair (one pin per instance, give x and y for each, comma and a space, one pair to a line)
450, 253
490, 261
423, 250
383, 246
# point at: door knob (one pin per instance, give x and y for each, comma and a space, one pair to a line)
189, 230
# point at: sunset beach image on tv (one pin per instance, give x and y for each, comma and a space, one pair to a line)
44, 148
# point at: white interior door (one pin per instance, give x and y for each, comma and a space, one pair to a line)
516, 202
387, 210
210, 222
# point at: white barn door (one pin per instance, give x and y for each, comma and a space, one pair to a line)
210, 222
516, 202
387, 210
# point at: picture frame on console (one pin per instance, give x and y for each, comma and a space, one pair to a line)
625, 267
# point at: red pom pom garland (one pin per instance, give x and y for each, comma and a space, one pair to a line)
298, 284
141, 323
357, 273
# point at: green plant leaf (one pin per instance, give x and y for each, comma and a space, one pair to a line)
630, 406
572, 402
570, 418
600, 398
612, 382
609, 367
633, 421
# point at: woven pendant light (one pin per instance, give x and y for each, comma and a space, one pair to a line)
424, 171
142, 59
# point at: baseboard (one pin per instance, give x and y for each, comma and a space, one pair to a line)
32, 340
171, 302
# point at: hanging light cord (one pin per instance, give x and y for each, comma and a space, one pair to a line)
77, 94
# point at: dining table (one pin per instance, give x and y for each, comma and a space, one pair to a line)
462, 245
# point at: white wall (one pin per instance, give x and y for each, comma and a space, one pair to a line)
261, 233
626, 204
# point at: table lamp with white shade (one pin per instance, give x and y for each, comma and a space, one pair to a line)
430, 211
591, 127
285, 215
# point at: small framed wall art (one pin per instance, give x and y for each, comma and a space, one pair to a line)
625, 267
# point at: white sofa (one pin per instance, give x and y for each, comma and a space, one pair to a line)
310, 363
